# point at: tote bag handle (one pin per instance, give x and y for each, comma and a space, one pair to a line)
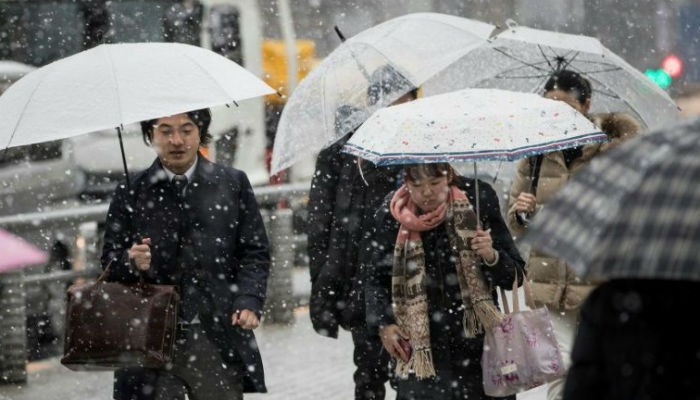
516, 300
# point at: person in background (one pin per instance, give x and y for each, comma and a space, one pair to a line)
537, 180
632, 343
342, 203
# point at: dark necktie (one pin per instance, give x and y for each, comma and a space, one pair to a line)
192, 299
180, 185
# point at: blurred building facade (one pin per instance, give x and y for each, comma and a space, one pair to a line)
641, 31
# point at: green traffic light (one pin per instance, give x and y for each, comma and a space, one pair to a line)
660, 77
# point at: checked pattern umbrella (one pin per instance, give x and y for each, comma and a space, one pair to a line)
631, 213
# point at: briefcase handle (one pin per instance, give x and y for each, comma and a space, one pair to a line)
105, 272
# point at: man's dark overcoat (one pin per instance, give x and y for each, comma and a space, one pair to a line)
231, 248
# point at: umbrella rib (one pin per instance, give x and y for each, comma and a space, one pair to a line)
618, 96
24, 109
596, 62
116, 83
601, 71
517, 68
499, 76
518, 60
206, 72
571, 60
545, 57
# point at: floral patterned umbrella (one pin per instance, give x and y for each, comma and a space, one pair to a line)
471, 125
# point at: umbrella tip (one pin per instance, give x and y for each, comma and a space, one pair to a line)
339, 33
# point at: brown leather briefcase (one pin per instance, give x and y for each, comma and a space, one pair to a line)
112, 325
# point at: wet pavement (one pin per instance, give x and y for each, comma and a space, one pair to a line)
299, 364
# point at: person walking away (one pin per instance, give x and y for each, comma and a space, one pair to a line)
430, 290
537, 180
189, 222
342, 203
632, 342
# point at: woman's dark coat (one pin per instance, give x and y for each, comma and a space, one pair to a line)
341, 225
230, 243
451, 349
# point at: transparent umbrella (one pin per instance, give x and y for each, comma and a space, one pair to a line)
630, 213
367, 72
522, 58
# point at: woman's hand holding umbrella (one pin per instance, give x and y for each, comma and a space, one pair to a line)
483, 245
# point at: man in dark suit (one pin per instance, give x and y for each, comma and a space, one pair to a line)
188, 222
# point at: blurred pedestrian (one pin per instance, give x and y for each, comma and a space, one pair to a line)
633, 342
431, 285
537, 180
189, 222
345, 194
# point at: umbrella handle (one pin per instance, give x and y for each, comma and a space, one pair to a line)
476, 196
121, 146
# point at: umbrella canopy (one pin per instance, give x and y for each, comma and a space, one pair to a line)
17, 253
522, 59
471, 125
367, 72
632, 213
116, 84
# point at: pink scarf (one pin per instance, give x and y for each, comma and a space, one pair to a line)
409, 296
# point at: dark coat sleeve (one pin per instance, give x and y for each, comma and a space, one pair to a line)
379, 270
118, 239
252, 252
321, 208
509, 260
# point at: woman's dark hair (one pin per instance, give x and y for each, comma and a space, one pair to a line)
570, 82
416, 172
201, 118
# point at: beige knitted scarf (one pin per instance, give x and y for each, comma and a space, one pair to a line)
410, 301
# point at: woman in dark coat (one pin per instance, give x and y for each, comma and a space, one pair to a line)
428, 303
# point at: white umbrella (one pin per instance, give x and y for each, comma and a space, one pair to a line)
333, 99
471, 125
522, 59
116, 84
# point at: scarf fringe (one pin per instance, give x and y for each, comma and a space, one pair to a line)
488, 314
421, 363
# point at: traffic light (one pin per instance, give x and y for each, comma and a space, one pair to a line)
671, 68
672, 65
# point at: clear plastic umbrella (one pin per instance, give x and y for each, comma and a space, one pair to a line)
367, 72
521, 59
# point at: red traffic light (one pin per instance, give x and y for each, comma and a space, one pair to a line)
672, 65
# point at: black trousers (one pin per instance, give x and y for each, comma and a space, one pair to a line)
372, 363
196, 371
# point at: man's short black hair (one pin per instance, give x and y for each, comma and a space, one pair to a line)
201, 118
570, 82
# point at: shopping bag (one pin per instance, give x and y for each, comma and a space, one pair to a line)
522, 352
